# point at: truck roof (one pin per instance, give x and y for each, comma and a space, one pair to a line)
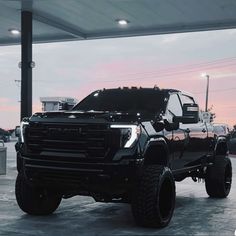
141, 88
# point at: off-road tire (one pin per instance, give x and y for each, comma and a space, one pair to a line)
219, 177
35, 200
153, 199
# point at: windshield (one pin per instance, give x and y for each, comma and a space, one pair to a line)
124, 100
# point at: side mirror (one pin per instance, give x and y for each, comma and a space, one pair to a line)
171, 126
158, 126
190, 114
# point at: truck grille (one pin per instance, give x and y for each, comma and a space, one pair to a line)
72, 140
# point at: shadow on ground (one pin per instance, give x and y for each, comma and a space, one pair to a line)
195, 213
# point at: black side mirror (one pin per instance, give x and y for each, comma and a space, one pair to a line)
171, 126
190, 114
158, 126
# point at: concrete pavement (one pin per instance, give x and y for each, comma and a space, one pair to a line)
195, 213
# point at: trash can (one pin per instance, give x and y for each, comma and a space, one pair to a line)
3, 158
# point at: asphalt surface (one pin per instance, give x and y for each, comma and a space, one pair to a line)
195, 213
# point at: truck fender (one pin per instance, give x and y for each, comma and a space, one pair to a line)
221, 147
156, 152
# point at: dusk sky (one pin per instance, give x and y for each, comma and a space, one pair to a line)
75, 69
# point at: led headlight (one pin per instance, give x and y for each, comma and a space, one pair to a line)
129, 134
23, 125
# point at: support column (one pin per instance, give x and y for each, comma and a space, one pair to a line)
26, 64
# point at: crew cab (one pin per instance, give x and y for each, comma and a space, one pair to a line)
120, 145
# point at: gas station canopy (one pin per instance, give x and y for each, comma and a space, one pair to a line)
63, 20
39, 21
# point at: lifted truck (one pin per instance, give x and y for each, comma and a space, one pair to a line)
124, 145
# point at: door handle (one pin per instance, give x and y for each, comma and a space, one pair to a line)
204, 130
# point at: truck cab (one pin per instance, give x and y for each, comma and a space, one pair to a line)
120, 145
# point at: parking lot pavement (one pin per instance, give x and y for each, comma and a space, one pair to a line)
195, 213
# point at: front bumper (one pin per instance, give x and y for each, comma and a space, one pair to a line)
113, 178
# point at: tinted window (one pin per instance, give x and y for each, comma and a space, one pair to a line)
127, 100
174, 105
186, 99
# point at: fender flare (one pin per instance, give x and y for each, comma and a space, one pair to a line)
157, 142
221, 140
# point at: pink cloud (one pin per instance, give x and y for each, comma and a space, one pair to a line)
138, 72
6, 105
4, 100
9, 108
37, 107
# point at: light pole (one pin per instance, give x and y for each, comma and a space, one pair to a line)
207, 90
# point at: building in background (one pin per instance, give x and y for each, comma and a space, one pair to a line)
57, 103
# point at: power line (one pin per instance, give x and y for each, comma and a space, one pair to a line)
223, 60
157, 75
216, 90
203, 65
164, 73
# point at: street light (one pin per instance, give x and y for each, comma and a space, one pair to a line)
207, 89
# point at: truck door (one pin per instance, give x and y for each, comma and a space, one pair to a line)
198, 143
178, 138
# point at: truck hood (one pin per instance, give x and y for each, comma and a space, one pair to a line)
88, 117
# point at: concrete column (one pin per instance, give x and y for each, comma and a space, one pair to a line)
26, 64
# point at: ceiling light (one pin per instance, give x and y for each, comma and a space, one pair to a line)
14, 31
122, 22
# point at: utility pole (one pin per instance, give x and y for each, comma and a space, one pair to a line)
207, 92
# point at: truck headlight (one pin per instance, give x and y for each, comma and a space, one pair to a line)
129, 134
23, 125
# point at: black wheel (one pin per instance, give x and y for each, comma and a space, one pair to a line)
153, 200
35, 200
219, 177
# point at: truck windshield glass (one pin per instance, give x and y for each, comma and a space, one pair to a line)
124, 100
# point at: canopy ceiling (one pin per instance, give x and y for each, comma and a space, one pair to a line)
62, 20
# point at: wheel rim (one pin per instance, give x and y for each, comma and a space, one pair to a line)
166, 199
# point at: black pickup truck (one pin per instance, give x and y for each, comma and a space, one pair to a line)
120, 145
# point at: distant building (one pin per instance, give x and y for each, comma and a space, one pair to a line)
57, 103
